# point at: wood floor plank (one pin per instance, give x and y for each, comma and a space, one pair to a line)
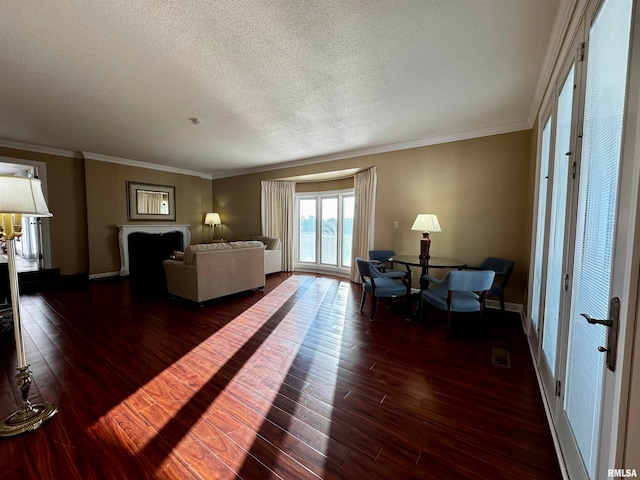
289, 382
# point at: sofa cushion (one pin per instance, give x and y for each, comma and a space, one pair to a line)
191, 250
247, 244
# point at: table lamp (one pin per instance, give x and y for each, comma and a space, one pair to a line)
21, 196
425, 223
212, 219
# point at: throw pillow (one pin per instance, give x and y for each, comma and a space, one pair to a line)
271, 243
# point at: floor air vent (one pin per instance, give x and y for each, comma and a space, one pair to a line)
500, 357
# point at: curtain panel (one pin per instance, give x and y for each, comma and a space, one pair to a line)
277, 214
364, 215
150, 202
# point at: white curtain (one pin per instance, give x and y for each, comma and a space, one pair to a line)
363, 217
150, 202
277, 209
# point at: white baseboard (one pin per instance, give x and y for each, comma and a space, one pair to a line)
322, 270
98, 276
509, 307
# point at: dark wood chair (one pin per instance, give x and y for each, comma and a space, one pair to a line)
458, 291
503, 269
378, 284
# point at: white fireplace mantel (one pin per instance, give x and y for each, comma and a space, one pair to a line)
125, 230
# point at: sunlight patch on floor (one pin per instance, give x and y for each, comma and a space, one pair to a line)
327, 366
241, 328
263, 377
247, 397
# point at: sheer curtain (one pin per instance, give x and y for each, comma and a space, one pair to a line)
363, 217
150, 202
277, 213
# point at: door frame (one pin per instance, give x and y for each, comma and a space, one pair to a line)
548, 380
614, 422
547, 114
625, 285
45, 248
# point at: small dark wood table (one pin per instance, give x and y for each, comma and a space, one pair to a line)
426, 263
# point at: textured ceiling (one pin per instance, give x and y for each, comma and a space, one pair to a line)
270, 81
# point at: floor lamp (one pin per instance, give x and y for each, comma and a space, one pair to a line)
21, 196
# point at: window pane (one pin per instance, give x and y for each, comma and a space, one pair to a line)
329, 249
555, 262
307, 232
540, 225
347, 229
325, 225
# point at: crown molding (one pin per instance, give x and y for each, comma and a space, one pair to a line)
566, 24
392, 147
214, 175
39, 149
151, 166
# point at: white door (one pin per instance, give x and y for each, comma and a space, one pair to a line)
538, 269
561, 185
598, 269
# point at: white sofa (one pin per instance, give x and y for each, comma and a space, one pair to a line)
213, 270
272, 253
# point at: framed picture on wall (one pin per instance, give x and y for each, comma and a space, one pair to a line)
151, 202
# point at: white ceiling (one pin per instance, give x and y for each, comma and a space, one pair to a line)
289, 81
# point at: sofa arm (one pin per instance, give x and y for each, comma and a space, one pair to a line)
182, 280
272, 261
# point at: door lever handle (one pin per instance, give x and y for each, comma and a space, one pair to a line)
612, 332
594, 321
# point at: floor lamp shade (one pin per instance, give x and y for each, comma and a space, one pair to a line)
425, 223
21, 196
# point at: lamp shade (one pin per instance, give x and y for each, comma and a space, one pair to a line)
426, 222
212, 219
22, 195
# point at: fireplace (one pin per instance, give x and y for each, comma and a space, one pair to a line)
125, 230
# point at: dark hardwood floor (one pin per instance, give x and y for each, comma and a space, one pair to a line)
290, 382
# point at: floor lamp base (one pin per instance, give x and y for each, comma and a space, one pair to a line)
28, 418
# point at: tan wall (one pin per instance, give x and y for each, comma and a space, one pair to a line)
88, 198
106, 186
66, 200
341, 184
478, 188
